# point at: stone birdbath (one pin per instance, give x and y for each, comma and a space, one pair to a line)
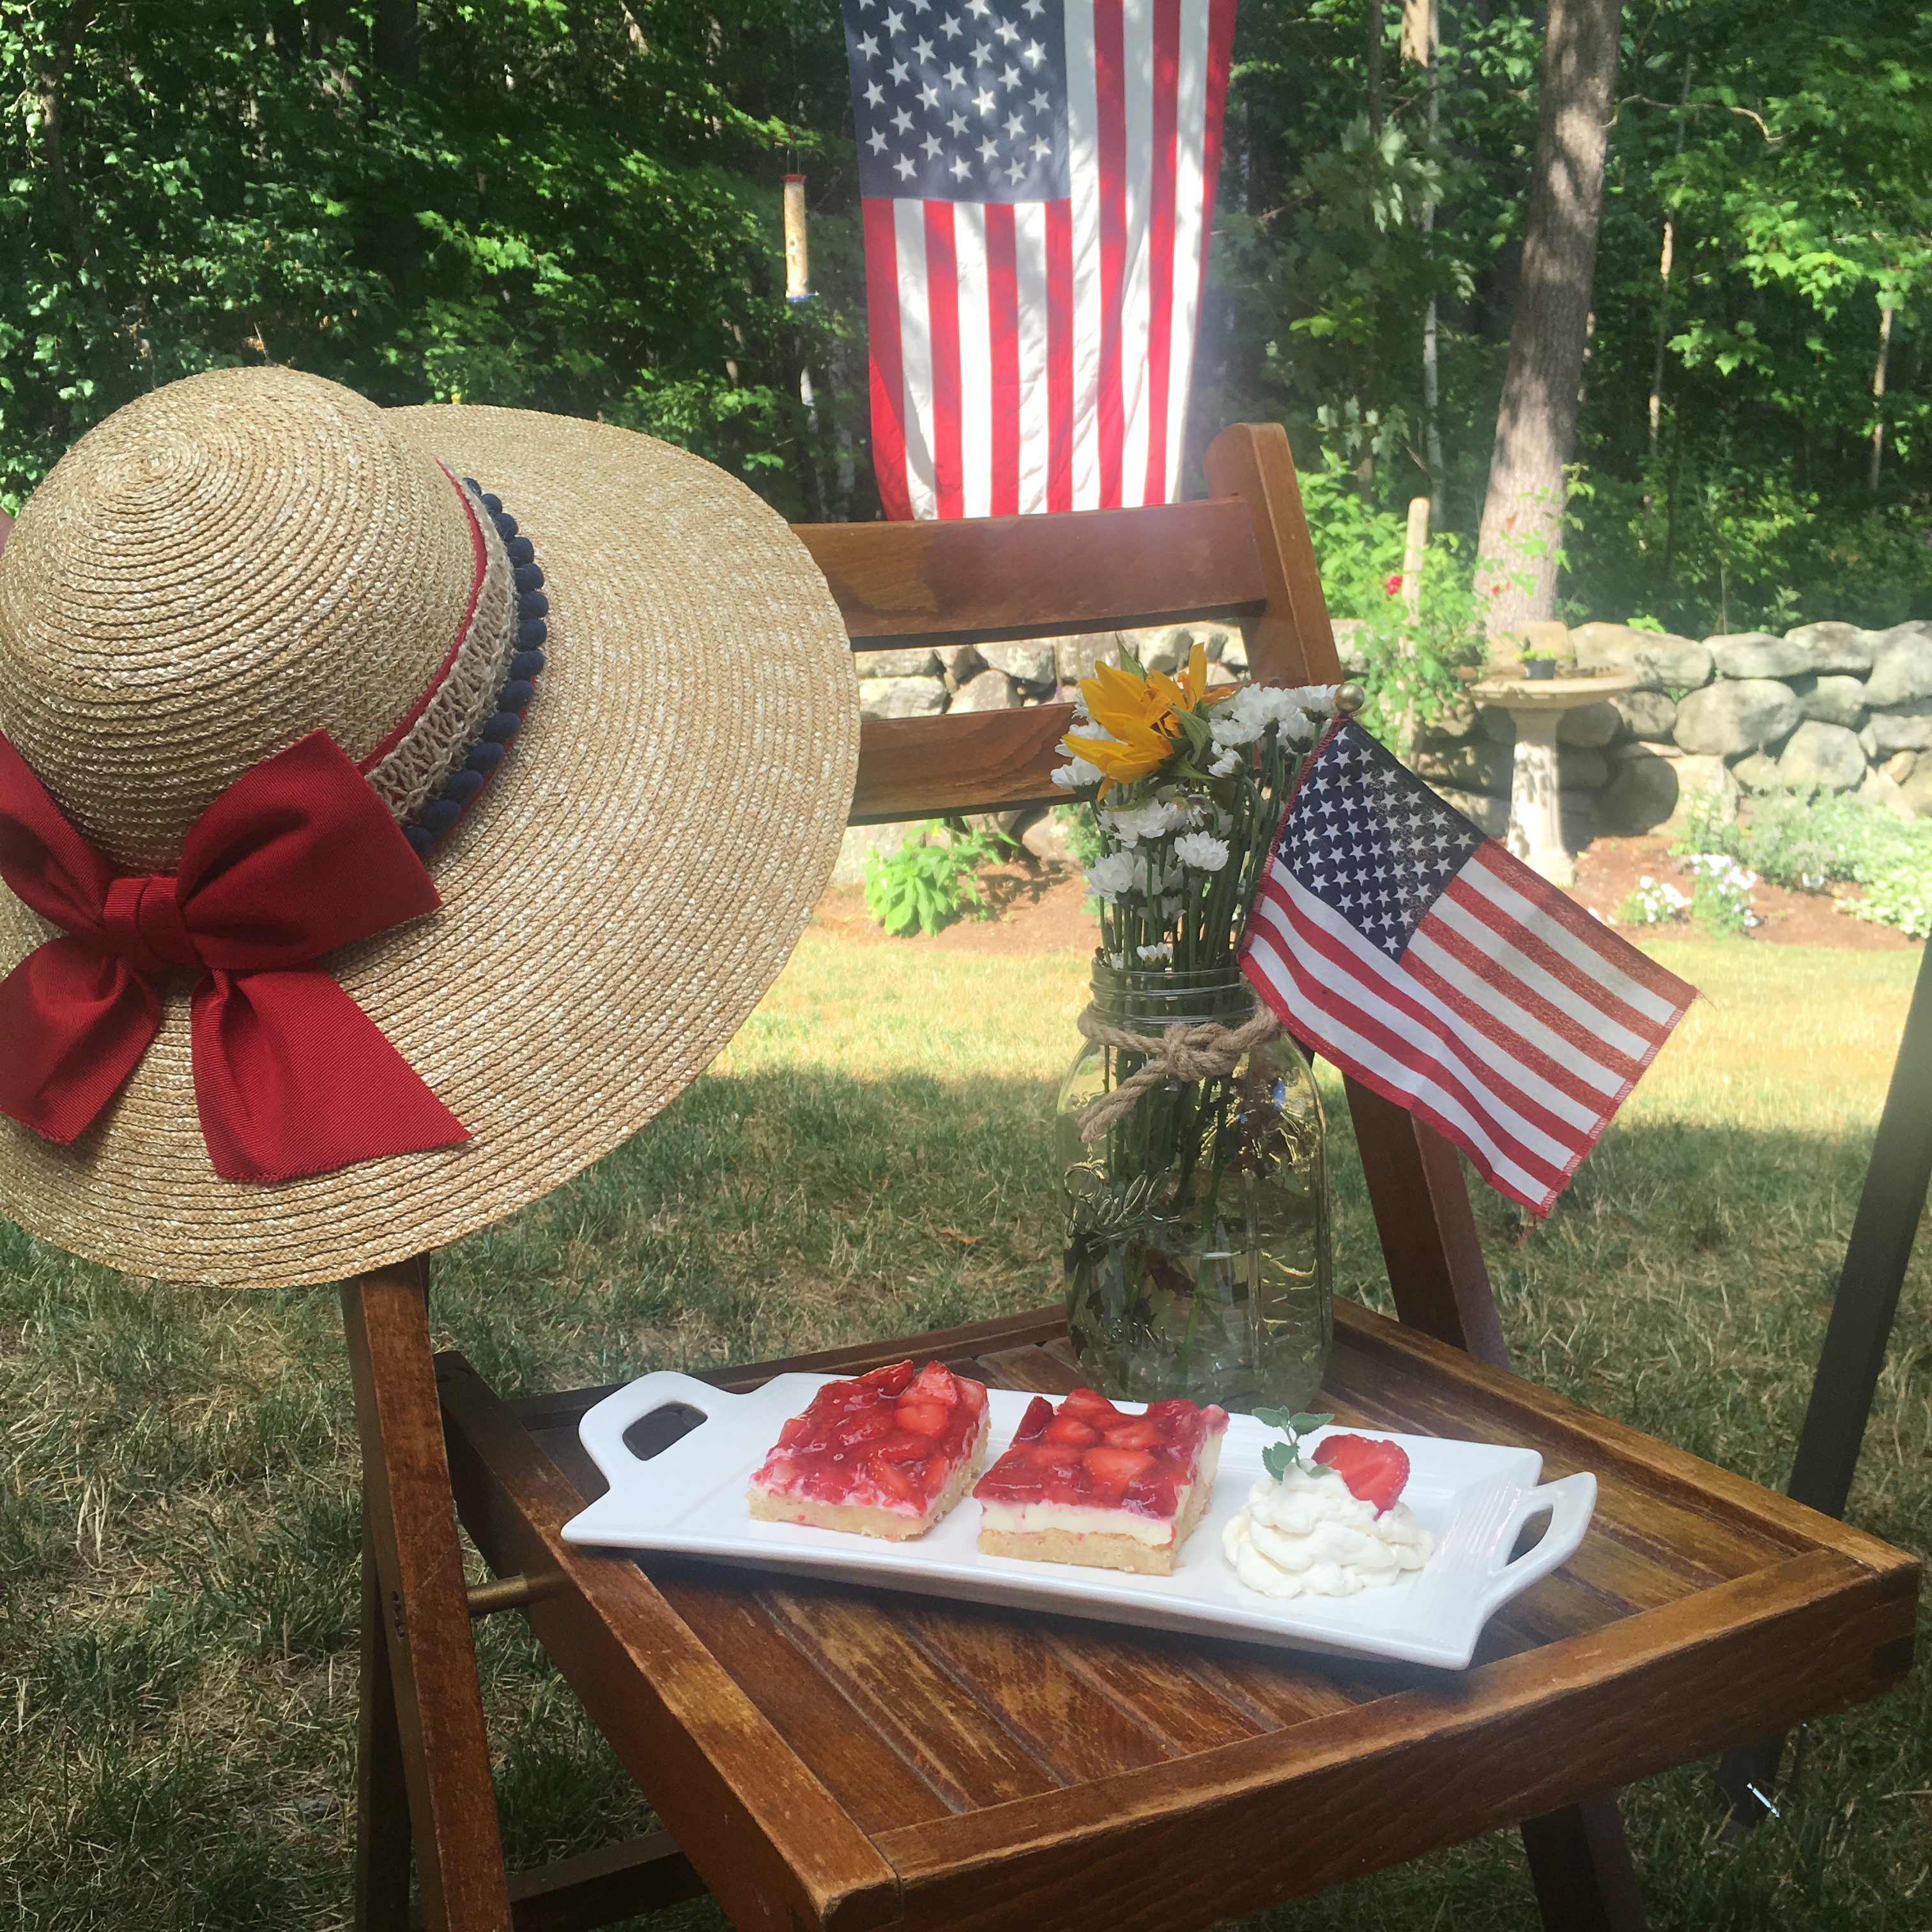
1536, 706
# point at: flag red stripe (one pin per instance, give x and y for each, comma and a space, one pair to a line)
1586, 1044
1609, 945
888, 372
1220, 55
1160, 241
942, 304
1425, 1110
1059, 356
1496, 1028
1587, 992
1280, 936
1003, 298
1111, 114
1426, 1050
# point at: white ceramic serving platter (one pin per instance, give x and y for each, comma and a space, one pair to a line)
1474, 1496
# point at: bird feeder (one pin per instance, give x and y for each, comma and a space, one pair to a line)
798, 259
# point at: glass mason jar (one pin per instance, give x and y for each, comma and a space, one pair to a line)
1198, 1259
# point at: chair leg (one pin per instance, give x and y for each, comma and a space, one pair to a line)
1580, 1864
410, 1520
382, 1795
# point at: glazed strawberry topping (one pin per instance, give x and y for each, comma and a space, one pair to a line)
1374, 1470
1088, 1454
890, 1439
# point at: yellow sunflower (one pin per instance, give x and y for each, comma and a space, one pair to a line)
1139, 714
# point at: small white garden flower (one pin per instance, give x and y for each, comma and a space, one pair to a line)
1204, 853
1225, 766
1077, 775
1118, 960
1156, 955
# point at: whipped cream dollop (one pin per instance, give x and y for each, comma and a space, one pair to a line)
1312, 1536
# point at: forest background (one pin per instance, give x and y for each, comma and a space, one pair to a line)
572, 205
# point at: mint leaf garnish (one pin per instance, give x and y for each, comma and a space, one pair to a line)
1278, 1458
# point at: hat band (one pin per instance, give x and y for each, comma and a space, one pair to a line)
428, 743
477, 756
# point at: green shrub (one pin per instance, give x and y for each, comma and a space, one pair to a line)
1411, 678
1806, 840
1082, 830
932, 879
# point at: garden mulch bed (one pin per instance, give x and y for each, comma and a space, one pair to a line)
1043, 909
1608, 870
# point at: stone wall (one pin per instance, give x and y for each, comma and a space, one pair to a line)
922, 683
1826, 705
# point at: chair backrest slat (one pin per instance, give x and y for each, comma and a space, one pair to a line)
985, 578
983, 761
1242, 554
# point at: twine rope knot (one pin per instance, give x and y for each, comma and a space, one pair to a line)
1207, 1051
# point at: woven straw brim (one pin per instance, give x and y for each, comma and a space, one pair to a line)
614, 905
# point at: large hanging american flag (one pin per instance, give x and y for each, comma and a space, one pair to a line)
1434, 966
1038, 178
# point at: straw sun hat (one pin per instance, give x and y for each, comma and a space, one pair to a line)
597, 701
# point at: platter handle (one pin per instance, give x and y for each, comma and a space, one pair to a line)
602, 1430
1568, 1502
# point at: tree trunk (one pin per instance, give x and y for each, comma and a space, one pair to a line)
1878, 400
1536, 425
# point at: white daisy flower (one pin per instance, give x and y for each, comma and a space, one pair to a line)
1156, 955
1109, 877
1202, 852
1077, 775
1286, 705
1225, 766
1230, 727
1132, 823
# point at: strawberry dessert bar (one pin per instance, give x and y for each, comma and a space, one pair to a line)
887, 1454
1089, 1484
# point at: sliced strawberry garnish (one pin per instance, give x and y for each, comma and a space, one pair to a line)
1070, 1429
922, 1418
1118, 1467
891, 1380
1032, 1424
936, 1383
1139, 1432
1374, 1469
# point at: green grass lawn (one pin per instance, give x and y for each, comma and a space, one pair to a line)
178, 1516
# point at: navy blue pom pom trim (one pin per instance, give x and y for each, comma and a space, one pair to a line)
492, 742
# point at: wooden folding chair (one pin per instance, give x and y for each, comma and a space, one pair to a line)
827, 1757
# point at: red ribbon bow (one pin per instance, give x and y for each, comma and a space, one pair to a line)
297, 857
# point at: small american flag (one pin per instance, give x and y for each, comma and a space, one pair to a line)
1428, 962
1038, 178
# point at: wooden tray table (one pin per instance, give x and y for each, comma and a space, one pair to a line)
831, 1757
